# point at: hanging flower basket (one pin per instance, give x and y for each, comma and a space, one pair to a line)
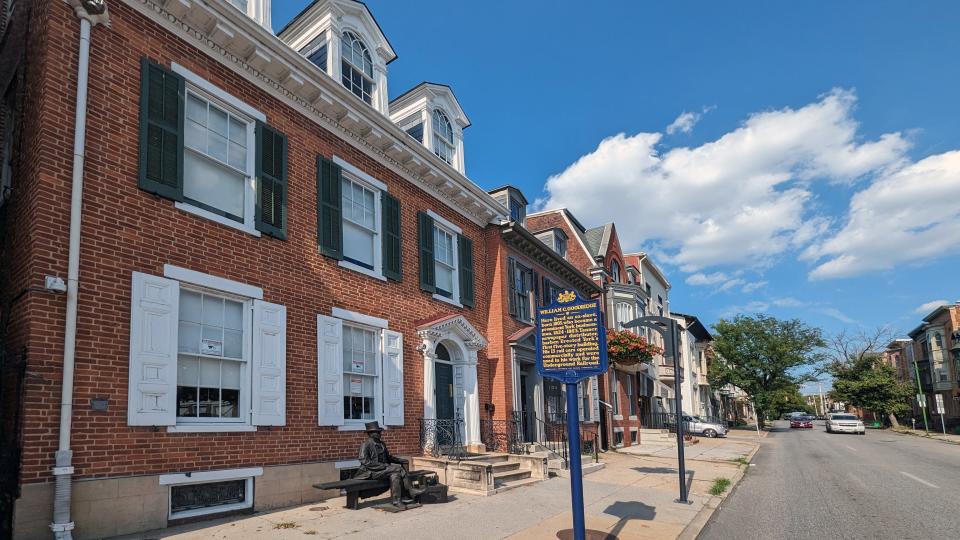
628, 349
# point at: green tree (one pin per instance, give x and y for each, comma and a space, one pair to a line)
761, 355
867, 382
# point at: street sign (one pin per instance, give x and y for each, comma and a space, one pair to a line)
571, 339
940, 409
922, 401
572, 346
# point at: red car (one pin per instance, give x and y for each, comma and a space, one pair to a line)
801, 422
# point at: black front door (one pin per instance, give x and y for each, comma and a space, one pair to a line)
443, 393
525, 428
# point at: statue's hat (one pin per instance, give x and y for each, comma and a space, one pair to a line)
372, 426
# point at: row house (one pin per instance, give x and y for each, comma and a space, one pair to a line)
527, 271
260, 252
695, 342
934, 361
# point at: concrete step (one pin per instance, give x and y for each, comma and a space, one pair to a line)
587, 468
503, 466
507, 476
513, 484
489, 458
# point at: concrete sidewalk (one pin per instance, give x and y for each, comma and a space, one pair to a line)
949, 437
632, 498
719, 449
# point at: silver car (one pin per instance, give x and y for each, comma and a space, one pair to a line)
695, 424
845, 423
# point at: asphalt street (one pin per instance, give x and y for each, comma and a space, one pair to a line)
810, 484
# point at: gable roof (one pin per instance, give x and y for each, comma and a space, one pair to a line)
356, 4
438, 89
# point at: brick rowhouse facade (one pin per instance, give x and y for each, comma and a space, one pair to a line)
126, 229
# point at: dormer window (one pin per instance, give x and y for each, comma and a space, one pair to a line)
356, 67
560, 244
442, 136
615, 272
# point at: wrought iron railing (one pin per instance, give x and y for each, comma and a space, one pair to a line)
503, 435
551, 435
442, 437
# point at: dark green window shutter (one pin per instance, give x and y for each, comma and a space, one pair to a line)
512, 290
271, 211
392, 259
161, 131
465, 252
329, 208
547, 285
427, 269
536, 290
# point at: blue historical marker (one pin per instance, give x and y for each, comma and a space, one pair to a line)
572, 346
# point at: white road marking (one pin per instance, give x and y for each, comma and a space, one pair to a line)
921, 480
852, 449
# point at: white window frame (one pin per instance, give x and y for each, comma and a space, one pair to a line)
371, 78
377, 377
615, 395
451, 229
199, 282
560, 245
208, 477
207, 91
352, 173
438, 139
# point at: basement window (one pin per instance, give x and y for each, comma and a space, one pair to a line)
209, 492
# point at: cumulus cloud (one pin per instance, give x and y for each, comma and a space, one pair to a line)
684, 123
924, 309
704, 279
908, 215
752, 286
741, 200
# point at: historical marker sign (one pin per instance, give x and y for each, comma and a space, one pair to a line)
571, 339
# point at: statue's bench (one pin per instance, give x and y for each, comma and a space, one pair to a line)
364, 489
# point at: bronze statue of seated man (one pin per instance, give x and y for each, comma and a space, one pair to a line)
376, 463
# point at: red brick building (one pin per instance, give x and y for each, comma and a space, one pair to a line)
261, 258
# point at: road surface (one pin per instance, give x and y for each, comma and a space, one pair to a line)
810, 484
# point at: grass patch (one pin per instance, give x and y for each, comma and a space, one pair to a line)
285, 525
742, 460
719, 486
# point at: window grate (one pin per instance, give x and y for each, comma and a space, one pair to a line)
209, 495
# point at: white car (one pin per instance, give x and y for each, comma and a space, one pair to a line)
844, 423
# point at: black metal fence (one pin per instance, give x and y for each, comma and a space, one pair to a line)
502, 435
442, 437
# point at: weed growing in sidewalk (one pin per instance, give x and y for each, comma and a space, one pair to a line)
742, 460
285, 525
719, 486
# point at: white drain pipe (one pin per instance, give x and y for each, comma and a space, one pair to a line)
90, 12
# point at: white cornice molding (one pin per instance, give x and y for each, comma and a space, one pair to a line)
228, 36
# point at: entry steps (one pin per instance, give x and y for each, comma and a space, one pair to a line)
507, 473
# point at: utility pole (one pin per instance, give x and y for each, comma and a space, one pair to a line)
920, 403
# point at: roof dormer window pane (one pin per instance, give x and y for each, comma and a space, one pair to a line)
357, 67
442, 136
319, 57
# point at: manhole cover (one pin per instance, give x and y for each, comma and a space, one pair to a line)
589, 534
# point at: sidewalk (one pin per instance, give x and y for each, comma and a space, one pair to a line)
727, 449
950, 438
632, 498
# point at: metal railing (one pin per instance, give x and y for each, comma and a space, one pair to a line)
551, 435
503, 435
442, 437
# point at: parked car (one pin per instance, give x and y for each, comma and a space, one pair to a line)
845, 423
802, 422
700, 426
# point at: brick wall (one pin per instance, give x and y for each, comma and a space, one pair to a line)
125, 230
575, 251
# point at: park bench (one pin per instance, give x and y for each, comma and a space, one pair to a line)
356, 489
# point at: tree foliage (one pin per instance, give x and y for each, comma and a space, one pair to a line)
867, 382
761, 355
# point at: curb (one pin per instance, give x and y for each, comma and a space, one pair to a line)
924, 436
700, 520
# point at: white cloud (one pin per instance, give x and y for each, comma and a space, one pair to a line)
756, 306
752, 286
789, 302
741, 200
704, 279
924, 309
684, 123
907, 215
836, 314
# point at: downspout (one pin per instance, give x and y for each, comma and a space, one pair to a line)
90, 12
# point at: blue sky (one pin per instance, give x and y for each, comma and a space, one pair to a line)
797, 158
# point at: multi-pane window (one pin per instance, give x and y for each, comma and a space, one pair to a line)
360, 375
517, 211
615, 272
560, 245
614, 394
359, 223
623, 313
631, 402
356, 67
522, 285
217, 157
445, 259
442, 136
584, 396
210, 363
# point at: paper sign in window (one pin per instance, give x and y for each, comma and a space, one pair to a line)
356, 385
213, 347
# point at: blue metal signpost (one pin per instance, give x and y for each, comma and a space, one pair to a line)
572, 346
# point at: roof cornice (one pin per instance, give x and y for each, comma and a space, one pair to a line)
230, 37
519, 238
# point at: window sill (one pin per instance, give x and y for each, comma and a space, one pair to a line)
632, 417
450, 301
355, 427
618, 417
357, 268
206, 214
211, 428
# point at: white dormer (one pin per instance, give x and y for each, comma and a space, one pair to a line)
431, 114
258, 10
343, 39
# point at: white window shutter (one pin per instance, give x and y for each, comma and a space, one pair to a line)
581, 388
329, 371
269, 364
154, 312
392, 378
595, 391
